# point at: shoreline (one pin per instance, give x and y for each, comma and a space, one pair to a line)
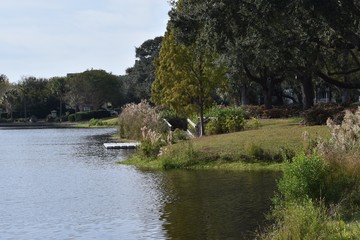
22, 125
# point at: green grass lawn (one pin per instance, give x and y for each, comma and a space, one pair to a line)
245, 150
109, 122
272, 134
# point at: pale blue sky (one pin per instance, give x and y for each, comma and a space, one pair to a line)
47, 38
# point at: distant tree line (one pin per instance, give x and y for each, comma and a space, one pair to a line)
89, 90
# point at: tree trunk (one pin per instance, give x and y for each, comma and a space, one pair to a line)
346, 96
267, 92
267, 98
60, 113
201, 118
307, 90
244, 96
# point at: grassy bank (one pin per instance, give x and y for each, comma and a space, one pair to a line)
262, 148
98, 123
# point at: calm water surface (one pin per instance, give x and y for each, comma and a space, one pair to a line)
63, 184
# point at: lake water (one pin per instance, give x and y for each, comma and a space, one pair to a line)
63, 184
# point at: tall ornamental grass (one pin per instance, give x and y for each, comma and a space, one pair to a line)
136, 116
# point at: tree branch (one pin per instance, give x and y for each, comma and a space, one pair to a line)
251, 76
344, 72
346, 85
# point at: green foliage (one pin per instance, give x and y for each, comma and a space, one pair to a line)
179, 135
319, 193
303, 178
71, 117
253, 123
149, 150
85, 116
95, 122
256, 153
185, 157
94, 87
138, 79
186, 77
305, 221
225, 120
82, 116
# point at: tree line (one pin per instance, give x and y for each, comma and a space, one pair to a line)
89, 90
235, 50
244, 52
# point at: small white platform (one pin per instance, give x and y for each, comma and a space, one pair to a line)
130, 145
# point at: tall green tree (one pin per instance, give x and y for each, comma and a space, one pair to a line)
235, 30
185, 78
138, 79
4, 85
35, 98
92, 87
58, 88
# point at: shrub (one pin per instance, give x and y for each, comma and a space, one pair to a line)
304, 177
305, 221
318, 114
135, 116
253, 123
225, 120
151, 143
50, 118
83, 116
71, 117
320, 190
101, 114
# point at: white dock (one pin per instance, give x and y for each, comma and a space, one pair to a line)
129, 145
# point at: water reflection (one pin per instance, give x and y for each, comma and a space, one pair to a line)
216, 204
63, 184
